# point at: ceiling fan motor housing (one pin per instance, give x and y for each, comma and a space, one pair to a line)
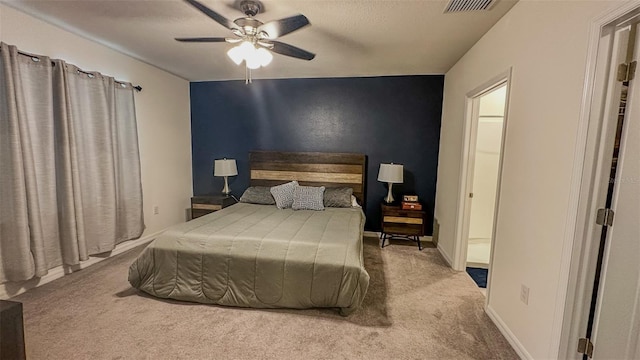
248, 24
250, 7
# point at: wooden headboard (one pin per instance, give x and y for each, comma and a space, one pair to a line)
269, 168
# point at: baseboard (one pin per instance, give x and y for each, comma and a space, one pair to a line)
8, 290
506, 332
446, 256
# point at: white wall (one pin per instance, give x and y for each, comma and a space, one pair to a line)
162, 110
545, 42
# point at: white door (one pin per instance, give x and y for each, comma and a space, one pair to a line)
489, 124
617, 318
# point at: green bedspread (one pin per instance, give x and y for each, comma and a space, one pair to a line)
259, 256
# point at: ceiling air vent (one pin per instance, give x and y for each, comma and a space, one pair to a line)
468, 5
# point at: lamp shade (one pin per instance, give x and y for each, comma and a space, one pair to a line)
390, 173
225, 167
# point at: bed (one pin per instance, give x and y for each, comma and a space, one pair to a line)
259, 256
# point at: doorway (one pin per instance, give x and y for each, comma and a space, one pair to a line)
603, 303
488, 146
612, 320
486, 111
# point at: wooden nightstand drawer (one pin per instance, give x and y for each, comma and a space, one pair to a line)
403, 213
221, 200
409, 229
402, 220
206, 207
206, 204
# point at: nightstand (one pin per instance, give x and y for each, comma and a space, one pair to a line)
398, 223
206, 204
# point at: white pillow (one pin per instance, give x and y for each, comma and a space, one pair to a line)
283, 194
354, 202
308, 198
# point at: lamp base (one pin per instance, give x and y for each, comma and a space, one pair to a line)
389, 199
226, 190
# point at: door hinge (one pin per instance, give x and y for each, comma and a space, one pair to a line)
627, 72
604, 217
585, 346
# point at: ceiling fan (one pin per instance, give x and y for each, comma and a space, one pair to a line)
257, 39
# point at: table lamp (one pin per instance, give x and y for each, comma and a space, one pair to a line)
225, 168
391, 174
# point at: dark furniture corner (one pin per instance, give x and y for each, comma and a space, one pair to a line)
206, 204
399, 223
11, 331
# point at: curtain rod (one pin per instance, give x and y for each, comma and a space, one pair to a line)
34, 57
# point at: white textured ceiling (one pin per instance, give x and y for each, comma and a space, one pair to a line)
349, 38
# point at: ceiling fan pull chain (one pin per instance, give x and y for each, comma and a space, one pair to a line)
247, 74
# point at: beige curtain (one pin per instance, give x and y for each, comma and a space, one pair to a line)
70, 167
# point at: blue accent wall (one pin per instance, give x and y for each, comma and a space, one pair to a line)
389, 119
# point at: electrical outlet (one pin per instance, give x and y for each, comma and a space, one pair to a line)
524, 294
156, 210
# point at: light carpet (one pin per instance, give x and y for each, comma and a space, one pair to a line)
416, 308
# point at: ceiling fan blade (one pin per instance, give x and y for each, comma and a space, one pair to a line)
290, 50
202, 39
277, 28
212, 14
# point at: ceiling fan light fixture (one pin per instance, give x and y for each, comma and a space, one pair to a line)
264, 56
242, 52
247, 52
236, 55
253, 62
247, 49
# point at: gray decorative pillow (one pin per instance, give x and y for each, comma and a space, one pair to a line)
258, 195
308, 198
283, 194
338, 197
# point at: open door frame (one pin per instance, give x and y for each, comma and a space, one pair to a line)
466, 170
580, 248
